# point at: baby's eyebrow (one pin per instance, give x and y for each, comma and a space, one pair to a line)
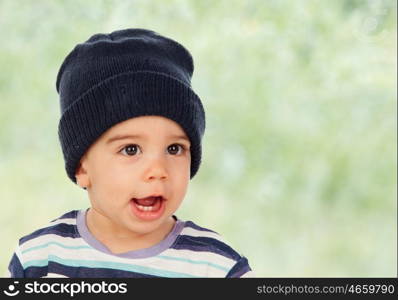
137, 136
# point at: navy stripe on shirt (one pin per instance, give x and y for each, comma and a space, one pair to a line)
197, 227
196, 243
69, 215
82, 272
62, 229
15, 267
240, 268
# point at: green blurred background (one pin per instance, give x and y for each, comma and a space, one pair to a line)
299, 163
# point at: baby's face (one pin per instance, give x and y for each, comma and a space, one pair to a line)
152, 158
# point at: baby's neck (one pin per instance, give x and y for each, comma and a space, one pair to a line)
124, 241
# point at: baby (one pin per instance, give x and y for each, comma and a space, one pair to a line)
130, 130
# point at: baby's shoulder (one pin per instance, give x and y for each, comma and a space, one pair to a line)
63, 226
201, 239
202, 246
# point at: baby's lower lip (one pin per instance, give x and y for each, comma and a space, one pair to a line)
148, 213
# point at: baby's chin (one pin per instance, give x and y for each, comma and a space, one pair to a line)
149, 227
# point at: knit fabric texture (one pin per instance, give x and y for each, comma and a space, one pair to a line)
128, 73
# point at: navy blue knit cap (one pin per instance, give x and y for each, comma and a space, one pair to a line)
128, 73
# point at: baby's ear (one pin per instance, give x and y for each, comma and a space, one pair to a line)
81, 176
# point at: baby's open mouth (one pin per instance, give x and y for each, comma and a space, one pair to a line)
150, 204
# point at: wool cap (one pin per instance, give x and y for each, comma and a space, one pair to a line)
128, 73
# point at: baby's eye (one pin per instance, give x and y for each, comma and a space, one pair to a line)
173, 149
130, 150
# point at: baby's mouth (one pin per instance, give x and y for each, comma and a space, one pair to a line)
151, 203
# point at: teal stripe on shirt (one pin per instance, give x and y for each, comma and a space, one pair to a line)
57, 244
196, 262
104, 264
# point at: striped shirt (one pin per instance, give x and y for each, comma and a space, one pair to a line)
66, 248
